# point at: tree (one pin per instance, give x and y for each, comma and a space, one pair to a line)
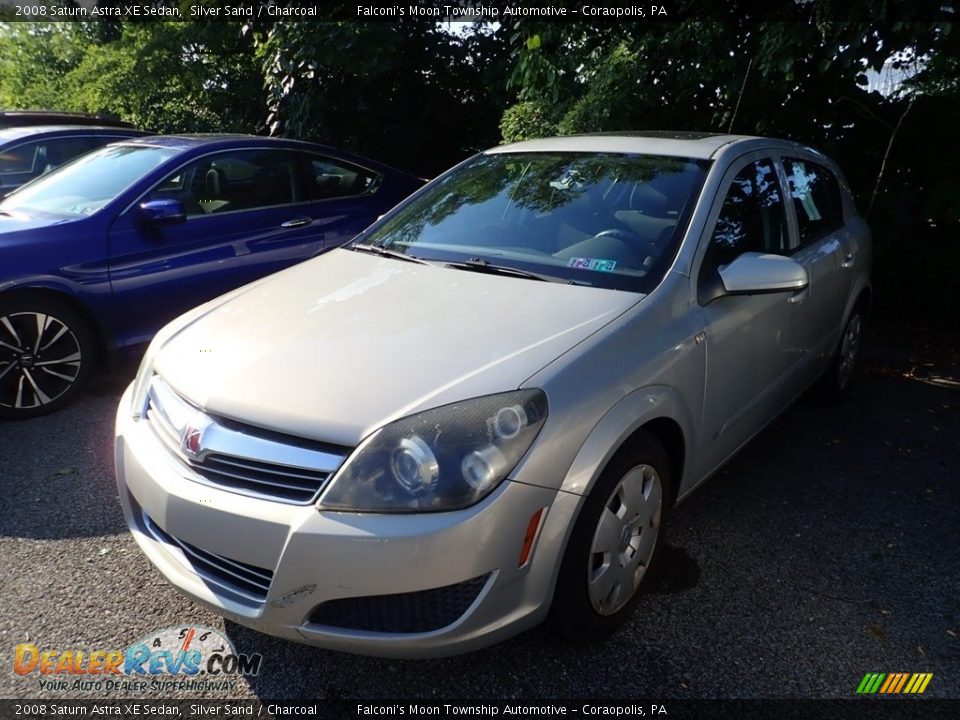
411, 93
166, 77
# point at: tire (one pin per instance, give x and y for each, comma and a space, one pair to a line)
838, 379
46, 354
614, 544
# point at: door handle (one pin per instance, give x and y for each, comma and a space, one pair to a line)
296, 222
798, 297
849, 261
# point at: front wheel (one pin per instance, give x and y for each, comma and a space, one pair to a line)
46, 352
614, 544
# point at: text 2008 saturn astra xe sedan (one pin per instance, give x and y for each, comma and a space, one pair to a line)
479, 413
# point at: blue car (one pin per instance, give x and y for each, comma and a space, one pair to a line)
97, 255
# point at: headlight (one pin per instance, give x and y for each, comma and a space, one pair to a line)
441, 459
142, 382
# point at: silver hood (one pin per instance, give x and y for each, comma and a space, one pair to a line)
335, 347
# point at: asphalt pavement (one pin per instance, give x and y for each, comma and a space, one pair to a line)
827, 549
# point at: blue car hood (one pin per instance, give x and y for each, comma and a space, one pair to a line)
16, 220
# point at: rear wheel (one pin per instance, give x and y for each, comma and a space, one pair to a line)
840, 374
46, 353
614, 544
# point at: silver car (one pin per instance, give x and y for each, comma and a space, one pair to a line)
480, 414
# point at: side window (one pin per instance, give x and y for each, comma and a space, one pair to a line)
752, 219
231, 181
816, 198
63, 150
335, 178
20, 160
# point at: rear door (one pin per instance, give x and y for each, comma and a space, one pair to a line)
345, 197
247, 215
826, 248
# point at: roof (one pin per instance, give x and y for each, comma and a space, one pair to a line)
701, 146
190, 140
28, 131
16, 118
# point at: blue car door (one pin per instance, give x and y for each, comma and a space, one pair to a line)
346, 197
247, 214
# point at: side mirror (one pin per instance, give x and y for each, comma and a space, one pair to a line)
166, 211
755, 273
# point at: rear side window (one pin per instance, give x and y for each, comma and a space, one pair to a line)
816, 199
21, 159
335, 178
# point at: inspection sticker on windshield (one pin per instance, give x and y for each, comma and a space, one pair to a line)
592, 264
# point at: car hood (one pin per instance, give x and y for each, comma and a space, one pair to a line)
335, 347
15, 220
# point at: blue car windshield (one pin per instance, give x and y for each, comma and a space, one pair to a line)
88, 183
602, 219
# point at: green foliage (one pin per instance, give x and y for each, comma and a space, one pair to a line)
167, 77
408, 92
526, 120
803, 80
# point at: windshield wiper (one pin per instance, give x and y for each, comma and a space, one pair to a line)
483, 266
384, 252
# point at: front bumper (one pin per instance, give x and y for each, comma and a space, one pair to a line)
311, 558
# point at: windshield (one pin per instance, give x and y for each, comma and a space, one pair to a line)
87, 184
600, 219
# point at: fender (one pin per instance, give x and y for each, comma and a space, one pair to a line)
86, 298
618, 424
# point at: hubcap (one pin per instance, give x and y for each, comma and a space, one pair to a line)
849, 348
40, 359
624, 539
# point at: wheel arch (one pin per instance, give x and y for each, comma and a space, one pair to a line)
101, 335
658, 410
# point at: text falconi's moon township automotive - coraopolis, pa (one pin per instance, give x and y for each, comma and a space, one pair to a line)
479, 12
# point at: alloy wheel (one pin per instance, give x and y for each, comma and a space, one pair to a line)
40, 359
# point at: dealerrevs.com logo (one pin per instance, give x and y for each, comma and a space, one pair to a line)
175, 658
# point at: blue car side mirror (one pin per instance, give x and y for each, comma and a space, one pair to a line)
161, 212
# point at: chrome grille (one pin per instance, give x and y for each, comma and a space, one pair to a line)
240, 459
244, 581
284, 483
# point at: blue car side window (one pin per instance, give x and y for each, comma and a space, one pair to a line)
233, 181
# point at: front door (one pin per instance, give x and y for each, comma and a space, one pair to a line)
749, 341
247, 215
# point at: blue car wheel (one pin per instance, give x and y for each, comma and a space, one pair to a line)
46, 353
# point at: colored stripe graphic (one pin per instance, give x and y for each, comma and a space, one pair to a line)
894, 683
900, 684
892, 680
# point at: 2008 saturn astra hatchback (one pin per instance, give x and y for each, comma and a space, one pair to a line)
479, 414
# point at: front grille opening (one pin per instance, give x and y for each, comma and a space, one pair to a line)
246, 583
277, 482
414, 612
243, 468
